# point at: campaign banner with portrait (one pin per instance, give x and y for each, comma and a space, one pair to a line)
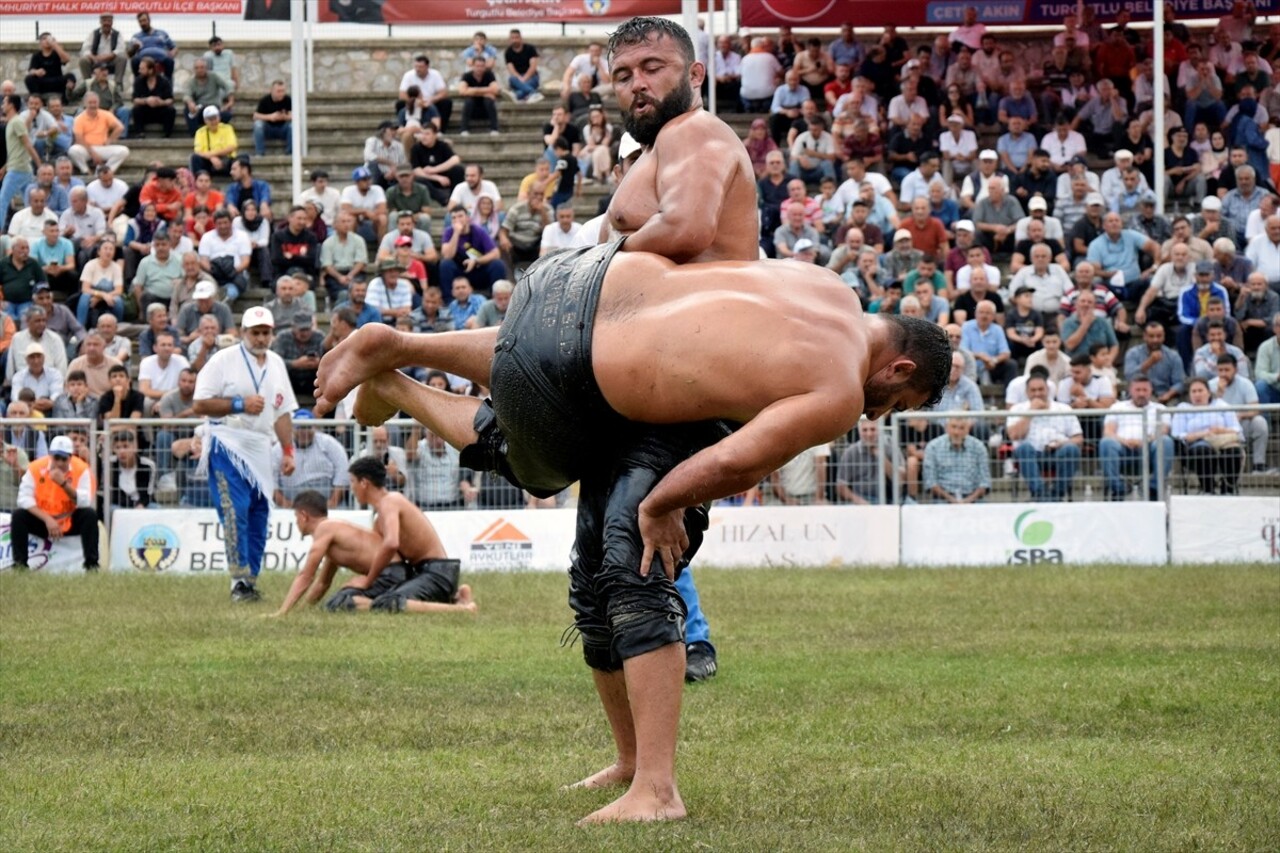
934, 13
62, 557
1034, 534
1224, 529
514, 12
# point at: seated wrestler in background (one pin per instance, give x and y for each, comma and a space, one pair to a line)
423, 580
614, 368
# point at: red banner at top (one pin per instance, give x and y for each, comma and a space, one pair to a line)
123, 8
488, 11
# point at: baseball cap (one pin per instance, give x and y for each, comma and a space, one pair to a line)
1148, 199
211, 112
1080, 159
1211, 202
360, 173
40, 287
988, 154
205, 290
627, 146
404, 240
1024, 289
901, 234
1037, 203
32, 349
1204, 267
956, 117
257, 316
1094, 198
965, 225
61, 446
803, 245
1124, 154
303, 320
303, 415
391, 264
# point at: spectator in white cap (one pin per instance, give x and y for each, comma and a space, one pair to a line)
215, 144
1209, 225
903, 258
959, 147
1038, 210
204, 301
245, 391
55, 499
974, 187
966, 238
805, 251
44, 382
792, 231
1113, 186
1087, 227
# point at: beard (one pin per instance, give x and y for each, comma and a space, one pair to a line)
258, 351
645, 130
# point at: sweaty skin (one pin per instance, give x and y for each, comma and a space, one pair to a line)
691, 196
801, 366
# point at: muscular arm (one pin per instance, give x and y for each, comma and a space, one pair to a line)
692, 171
739, 462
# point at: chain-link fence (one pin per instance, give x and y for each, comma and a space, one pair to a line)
24, 440
1062, 454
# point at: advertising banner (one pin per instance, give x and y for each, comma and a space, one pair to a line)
801, 536
63, 557
1224, 529
1033, 534
129, 8
513, 12
874, 13
190, 541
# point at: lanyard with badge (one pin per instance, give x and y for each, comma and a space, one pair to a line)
237, 402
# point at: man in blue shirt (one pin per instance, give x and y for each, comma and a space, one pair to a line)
983, 337
1114, 253
150, 43
246, 187
1015, 147
466, 303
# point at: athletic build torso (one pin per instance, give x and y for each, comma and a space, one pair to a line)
674, 344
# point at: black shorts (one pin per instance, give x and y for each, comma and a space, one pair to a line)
550, 417
426, 580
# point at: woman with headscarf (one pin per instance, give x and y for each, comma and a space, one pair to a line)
759, 144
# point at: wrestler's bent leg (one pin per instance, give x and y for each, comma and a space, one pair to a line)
450, 416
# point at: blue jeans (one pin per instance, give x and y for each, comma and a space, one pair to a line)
51, 147
84, 302
1267, 394
812, 176
696, 629
1118, 460
523, 89
123, 114
16, 310
1065, 461
12, 186
264, 130
482, 276
1211, 115
245, 532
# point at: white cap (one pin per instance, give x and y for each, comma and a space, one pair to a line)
1211, 202
32, 349
1037, 203
1124, 154
965, 225
257, 316
803, 245
956, 117
627, 146
1094, 198
988, 154
211, 112
204, 290
901, 234
61, 446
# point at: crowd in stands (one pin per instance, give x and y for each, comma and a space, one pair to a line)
950, 181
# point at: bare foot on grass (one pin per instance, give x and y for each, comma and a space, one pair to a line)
613, 776
639, 805
465, 599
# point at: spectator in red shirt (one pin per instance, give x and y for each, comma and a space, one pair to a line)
162, 191
928, 234
1114, 58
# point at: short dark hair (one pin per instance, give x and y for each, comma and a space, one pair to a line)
1139, 377
422, 57
347, 316
371, 469
117, 368
1227, 358
637, 31
77, 376
1081, 359
1037, 370
926, 344
311, 502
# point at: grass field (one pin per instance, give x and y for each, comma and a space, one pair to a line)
1038, 709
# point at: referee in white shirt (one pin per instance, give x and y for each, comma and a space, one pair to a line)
246, 394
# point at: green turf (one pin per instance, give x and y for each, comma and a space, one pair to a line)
1036, 709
